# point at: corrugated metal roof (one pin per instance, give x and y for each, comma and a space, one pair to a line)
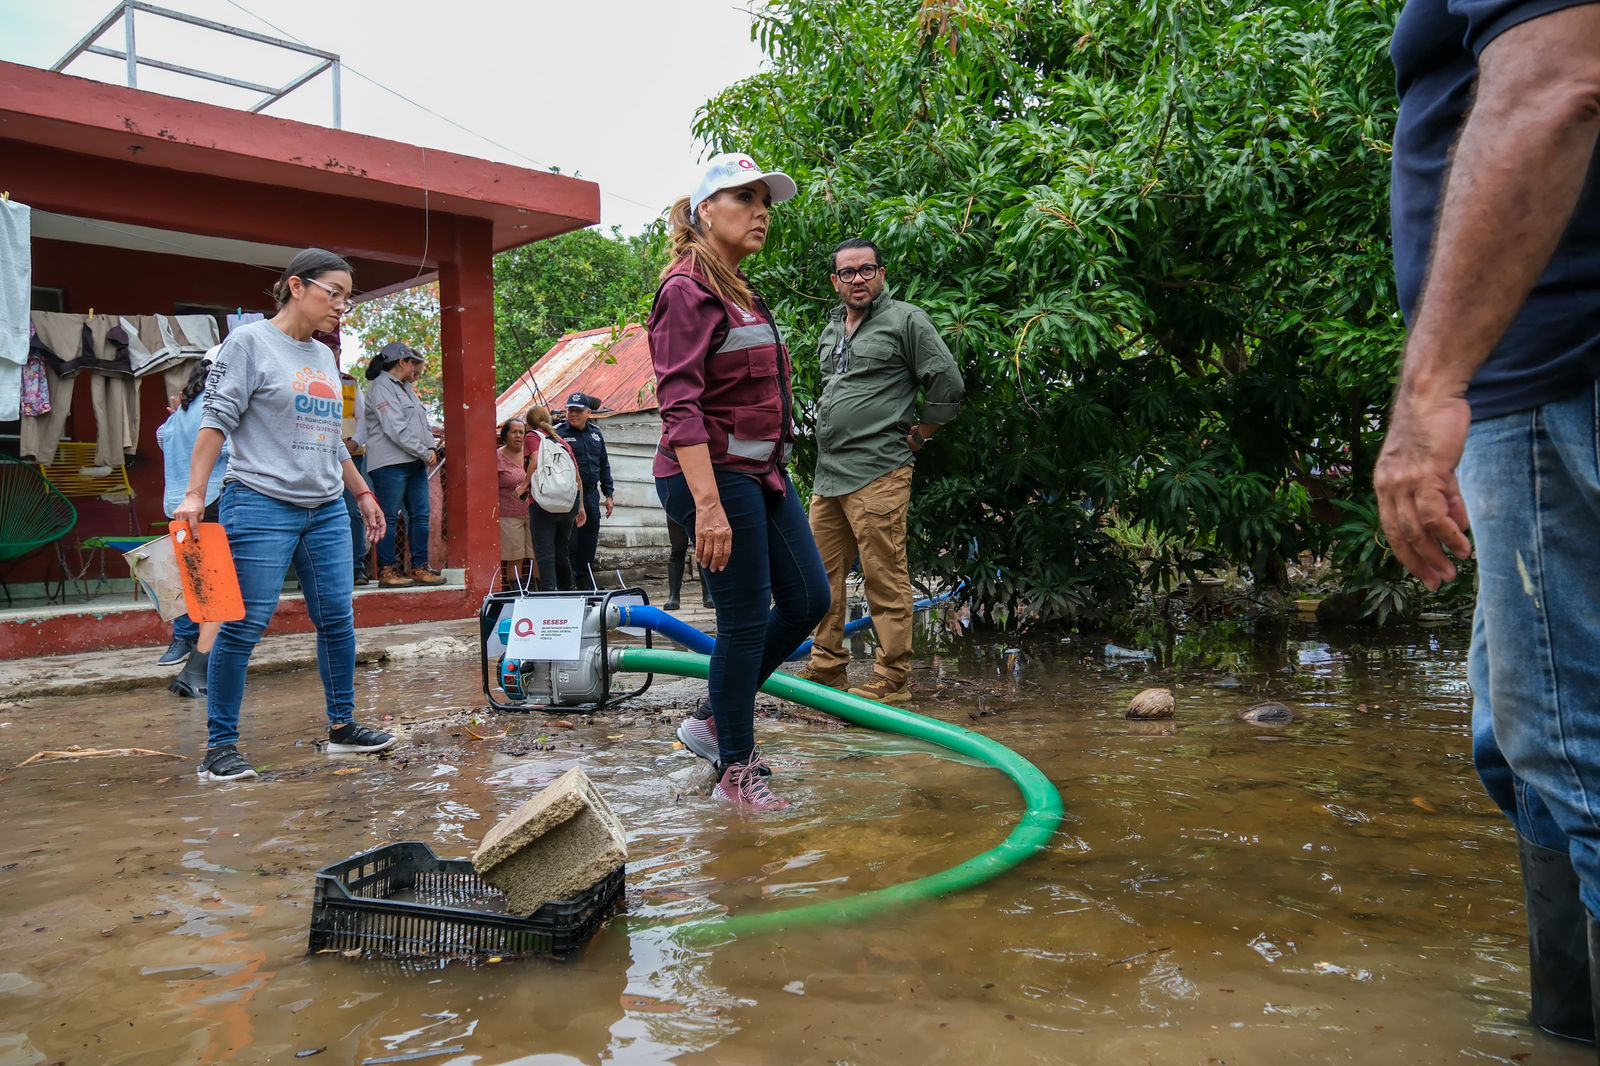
617, 373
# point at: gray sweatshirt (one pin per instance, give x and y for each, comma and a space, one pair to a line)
397, 424
280, 404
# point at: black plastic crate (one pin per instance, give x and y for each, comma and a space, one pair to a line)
355, 908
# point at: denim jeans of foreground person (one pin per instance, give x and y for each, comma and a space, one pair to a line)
1531, 481
768, 598
265, 535
403, 485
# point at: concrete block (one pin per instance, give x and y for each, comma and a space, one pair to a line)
558, 845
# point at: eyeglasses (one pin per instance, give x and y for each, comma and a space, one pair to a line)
335, 297
850, 274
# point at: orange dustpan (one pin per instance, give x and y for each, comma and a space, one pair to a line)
205, 562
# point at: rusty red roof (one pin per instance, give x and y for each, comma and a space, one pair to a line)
612, 368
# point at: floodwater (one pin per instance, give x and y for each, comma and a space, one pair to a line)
1335, 890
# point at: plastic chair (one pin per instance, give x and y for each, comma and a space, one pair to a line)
33, 514
67, 473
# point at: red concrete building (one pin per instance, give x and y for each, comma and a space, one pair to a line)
158, 204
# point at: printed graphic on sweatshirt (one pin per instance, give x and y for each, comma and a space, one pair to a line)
318, 411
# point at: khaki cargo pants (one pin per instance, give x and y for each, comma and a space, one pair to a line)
872, 522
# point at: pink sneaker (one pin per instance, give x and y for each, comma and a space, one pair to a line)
744, 784
699, 735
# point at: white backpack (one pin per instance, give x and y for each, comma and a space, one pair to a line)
555, 478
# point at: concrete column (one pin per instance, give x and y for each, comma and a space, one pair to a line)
466, 335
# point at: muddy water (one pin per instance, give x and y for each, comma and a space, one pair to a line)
1331, 891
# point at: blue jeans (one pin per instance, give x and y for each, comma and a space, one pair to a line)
266, 535
403, 485
1532, 487
769, 597
358, 528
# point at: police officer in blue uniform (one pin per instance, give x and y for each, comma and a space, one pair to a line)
594, 465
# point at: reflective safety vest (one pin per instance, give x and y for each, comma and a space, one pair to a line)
746, 402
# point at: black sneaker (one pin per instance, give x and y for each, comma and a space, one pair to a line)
353, 738
226, 764
176, 652
362, 578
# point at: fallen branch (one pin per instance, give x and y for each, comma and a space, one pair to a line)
91, 753
1135, 958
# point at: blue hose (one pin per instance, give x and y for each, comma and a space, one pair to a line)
685, 635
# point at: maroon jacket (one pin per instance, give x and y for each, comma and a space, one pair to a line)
722, 379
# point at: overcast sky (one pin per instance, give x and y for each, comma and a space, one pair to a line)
604, 89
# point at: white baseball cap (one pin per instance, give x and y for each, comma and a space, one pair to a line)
733, 169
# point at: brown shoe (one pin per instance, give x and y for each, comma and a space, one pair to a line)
883, 690
424, 575
390, 577
836, 678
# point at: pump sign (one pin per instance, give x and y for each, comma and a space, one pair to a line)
548, 630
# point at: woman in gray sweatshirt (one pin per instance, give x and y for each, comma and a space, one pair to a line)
275, 396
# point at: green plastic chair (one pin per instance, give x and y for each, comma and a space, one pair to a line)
33, 513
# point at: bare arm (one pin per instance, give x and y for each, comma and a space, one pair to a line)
1519, 168
207, 447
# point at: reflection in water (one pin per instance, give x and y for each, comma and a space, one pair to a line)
1333, 890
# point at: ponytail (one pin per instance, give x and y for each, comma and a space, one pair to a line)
689, 243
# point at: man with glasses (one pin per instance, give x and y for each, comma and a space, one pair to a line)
877, 354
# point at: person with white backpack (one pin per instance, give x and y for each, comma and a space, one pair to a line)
554, 491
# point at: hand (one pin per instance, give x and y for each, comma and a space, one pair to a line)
433, 457
914, 441
1419, 499
583, 516
609, 506
191, 511
713, 537
172, 403
371, 516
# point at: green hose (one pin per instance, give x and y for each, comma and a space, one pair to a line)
1032, 834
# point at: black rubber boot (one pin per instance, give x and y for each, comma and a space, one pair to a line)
705, 589
191, 681
1558, 956
674, 584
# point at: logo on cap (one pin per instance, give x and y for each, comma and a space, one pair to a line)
746, 163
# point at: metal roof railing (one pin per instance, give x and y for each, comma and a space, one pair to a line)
326, 61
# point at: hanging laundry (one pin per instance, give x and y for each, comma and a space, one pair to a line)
64, 341
57, 342
35, 388
199, 333
16, 293
114, 392
243, 318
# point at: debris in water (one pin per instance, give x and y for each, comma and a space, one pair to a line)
1131, 655
1269, 713
1151, 703
1423, 805
414, 1056
562, 723
76, 752
310, 1051
346, 771
475, 735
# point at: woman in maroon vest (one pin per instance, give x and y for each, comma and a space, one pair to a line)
722, 380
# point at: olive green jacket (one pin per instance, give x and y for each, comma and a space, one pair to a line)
869, 393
